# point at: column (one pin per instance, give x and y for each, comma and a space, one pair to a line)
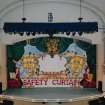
3, 68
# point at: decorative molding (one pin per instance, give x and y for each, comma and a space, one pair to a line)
86, 5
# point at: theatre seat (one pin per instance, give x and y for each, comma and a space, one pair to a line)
99, 101
8, 102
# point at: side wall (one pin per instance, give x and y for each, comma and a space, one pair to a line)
3, 69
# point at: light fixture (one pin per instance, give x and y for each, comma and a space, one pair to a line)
50, 28
80, 33
73, 33
33, 33
21, 33
14, 32
50, 34
27, 33
24, 19
67, 33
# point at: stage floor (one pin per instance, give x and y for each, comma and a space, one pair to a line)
51, 94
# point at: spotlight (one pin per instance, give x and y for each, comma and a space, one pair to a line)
73, 34
27, 33
33, 33
67, 33
21, 33
14, 32
80, 33
50, 34
80, 19
24, 19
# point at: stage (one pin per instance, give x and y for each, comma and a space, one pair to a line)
62, 94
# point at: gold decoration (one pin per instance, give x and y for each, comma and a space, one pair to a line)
30, 64
75, 65
52, 46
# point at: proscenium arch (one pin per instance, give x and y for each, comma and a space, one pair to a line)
86, 5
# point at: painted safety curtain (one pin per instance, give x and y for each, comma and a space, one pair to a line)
16, 51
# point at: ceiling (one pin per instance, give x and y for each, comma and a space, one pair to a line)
63, 11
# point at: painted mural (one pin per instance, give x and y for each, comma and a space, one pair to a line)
52, 66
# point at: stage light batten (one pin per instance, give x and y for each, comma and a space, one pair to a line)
51, 28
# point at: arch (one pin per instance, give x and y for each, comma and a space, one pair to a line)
86, 5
